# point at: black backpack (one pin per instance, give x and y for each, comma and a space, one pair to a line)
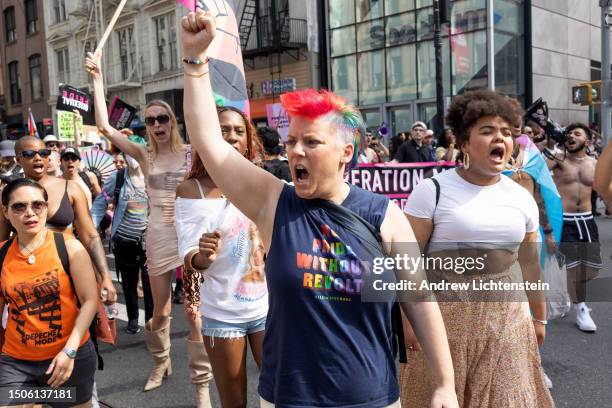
62, 252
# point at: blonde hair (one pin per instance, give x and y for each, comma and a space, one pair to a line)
176, 143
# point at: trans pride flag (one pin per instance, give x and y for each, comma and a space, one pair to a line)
225, 54
535, 165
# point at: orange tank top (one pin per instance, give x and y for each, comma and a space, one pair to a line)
42, 303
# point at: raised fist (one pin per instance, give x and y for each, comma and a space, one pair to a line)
197, 33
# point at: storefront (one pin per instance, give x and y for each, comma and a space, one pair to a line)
381, 54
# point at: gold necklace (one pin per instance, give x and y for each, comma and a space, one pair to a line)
32, 258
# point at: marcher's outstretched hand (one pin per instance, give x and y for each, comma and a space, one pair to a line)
92, 65
197, 32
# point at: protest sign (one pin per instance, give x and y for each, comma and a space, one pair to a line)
120, 114
278, 119
65, 126
70, 98
395, 180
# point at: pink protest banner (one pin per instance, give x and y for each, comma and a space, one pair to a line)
278, 119
395, 180
225, 54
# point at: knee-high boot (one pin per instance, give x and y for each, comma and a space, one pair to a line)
158, 344
201, 372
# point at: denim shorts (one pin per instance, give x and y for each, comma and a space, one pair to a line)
224, 330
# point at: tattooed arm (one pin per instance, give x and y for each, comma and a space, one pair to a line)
544, 222
89, 237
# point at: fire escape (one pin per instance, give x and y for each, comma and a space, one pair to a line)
267, 30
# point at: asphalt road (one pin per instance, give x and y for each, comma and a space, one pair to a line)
579, 364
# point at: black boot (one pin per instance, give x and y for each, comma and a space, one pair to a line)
132, 327
177, 297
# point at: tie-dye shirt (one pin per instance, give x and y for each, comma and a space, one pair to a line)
323, 346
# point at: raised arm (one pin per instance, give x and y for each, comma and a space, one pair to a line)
253, 190
139, 152
602, 182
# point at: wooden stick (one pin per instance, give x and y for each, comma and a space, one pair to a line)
110, 27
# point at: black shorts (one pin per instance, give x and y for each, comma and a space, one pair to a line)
580, 241
16, 374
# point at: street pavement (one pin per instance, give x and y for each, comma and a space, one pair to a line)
579, 364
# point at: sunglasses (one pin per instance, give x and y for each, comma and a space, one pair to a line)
30, 154
37, 206
162, 119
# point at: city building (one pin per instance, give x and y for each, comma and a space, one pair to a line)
380, 54
141, 60
280, 48
24, 58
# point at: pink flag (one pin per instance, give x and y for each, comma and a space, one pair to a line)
190, 4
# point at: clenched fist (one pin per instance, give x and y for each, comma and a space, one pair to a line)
210, 246
197, 33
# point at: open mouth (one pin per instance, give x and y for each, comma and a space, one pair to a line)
38, 166
301, 174
498, 154
160, 134
31, 224
571, 143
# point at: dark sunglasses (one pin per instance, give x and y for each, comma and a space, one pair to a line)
30, 154
162, 119
37, 206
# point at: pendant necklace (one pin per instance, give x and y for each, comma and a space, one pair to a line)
31, 257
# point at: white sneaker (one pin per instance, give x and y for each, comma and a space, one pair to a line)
583, 318
547, 381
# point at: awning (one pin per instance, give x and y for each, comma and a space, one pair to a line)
258, 107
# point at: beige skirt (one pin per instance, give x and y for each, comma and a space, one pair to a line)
495, 357
162, 249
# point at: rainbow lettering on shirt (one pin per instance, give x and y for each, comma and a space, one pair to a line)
331, 267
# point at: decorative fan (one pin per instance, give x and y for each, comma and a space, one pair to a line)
98, 162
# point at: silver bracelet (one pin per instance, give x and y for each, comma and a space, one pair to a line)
542, 322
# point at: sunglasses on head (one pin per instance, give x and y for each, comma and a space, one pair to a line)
30, 154
37, 206
162, 119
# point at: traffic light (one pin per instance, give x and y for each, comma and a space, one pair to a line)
588, 93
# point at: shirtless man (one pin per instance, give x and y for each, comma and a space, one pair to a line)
573, 172
67, 205
71, 170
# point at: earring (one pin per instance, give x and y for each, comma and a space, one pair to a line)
466, 161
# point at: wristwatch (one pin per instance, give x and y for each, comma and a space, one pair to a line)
70, 353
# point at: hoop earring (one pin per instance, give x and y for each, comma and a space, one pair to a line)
466, 161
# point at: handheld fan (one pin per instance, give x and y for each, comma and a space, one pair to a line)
98, 162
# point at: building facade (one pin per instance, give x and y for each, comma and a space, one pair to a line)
26, 83
380, 54
280, 48
141, 59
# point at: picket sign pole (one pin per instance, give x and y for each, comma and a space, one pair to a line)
110, 27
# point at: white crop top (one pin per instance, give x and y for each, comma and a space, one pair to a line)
466, 213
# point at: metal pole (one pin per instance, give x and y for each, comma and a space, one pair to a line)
439, 125
606, 120
491, 45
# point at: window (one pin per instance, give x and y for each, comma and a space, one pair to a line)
166, 42
9, 24
36, 85
127, 52
14, 82
372, 84
401, 74
344, 77
63, 66
341, 12
59, 9
31, 16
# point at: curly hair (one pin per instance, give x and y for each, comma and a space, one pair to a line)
467, 109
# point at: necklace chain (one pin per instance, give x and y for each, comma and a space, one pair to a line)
38, 244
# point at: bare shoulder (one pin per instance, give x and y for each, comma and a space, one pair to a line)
73, 245
394, 223
187, 189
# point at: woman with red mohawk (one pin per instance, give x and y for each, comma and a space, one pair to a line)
325, 344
